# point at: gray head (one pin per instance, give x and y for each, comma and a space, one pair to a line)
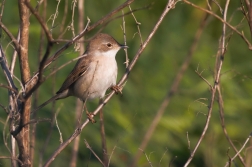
104, 44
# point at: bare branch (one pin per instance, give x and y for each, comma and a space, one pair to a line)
221, 110
88, 146
173, 88
40, 20
9, 88
13, 39
199, 74
103, 138
162, 157
222, 20
2, 10
219, 63
4, 65
238, 153
138, 26
146, 157
55, 15
5, 157
124, 36
14, 57
21, 133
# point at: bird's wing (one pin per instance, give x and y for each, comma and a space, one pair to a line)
80, 69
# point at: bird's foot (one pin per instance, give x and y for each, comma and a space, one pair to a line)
117, 89
90, 116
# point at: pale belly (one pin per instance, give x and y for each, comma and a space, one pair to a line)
100, 76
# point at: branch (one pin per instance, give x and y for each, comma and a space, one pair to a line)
22, 136
238, 153
7, 72
219, 63
13, 39
221, 111
172, 90
12, 158
40, 20
88, 146
224, 21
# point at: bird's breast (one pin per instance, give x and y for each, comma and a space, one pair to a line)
100, 75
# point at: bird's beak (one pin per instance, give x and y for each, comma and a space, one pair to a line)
124, 46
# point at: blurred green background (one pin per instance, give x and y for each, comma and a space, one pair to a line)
128, 116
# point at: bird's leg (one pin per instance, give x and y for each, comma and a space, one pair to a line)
89, 115
117, 89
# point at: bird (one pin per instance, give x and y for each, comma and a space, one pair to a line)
94, 73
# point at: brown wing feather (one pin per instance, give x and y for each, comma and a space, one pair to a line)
79, 69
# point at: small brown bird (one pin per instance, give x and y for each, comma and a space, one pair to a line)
94, 73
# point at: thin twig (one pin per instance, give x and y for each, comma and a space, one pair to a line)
221, 111
64, 20
188, 141
138, 26
5, 157
2, 10
40, 20
6, 69
8, 87
219, 63
125, 43
112, 152
35, 121
64, 65
103, 138
238, 153
162, 157
55, 15
88, 146
56, 123
172, 161
219, 18
204, 79
173, 89
11, 36
146, 157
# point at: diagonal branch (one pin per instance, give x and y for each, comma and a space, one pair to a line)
7, 72
219, 63
40, 20
221, 111
224, 21
172, 90
13, 39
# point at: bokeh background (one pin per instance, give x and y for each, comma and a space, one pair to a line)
128, 116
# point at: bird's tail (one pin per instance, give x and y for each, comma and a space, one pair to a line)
47, 102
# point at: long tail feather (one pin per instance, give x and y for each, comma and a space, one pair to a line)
47, 102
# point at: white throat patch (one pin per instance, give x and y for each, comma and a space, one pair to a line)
109, 53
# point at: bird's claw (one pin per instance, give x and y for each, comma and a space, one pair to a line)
117, 89
90, 116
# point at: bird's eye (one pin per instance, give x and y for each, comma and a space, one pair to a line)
109, 45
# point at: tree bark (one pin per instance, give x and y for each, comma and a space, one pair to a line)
22, 135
